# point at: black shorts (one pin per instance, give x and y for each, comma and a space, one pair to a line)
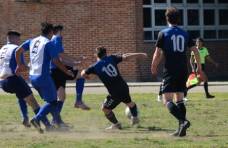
115, 99
174, 83
60, 78
16, 85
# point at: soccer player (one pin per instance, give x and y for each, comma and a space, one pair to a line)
172, 44
204, 56
60, 78
42, 52
12, 83
106, 69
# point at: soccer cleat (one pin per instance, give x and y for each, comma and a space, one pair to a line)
36, 124
81, 105
183, 127
185, 99
114, 126
26, 123
134, 120
159, 98
208, 96
50, 128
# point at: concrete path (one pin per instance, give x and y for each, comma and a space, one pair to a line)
141, 87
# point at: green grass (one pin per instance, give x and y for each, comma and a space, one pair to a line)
209, 128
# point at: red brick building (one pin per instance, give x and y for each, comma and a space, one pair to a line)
121, 26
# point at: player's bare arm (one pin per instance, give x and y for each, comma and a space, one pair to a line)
208, 58
157, 57
126, 56
57, 62
20, 66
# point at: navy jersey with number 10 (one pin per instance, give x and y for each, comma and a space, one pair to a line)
174, 42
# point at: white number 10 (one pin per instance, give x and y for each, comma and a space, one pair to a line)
178, 43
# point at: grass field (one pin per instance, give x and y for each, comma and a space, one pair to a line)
209, 128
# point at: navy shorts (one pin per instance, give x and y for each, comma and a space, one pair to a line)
16, 85
46, 88
116, 98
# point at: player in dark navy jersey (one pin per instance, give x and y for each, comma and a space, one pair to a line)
106, 69
172, 44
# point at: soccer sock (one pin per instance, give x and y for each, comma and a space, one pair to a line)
55, 112
174, 110
111, 117
44, 110
160, 90
186, 93
79, 89
23, 108
182, 108
190, 87
59, 106
134, 110
44, 120
206, 88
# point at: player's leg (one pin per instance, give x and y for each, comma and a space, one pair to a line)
107, 107
208, 95
159, 97
79, 93
24, 112
184, 123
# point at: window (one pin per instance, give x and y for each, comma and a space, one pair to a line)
160, 18
193, 17
223, 15
209, 34
209, 17
204, 18
147, 17
208, 1
176, 1
192, 1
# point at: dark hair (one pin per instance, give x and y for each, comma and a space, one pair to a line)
57, 28
46, 28
101, 51
200, 39
172, 15
13, 33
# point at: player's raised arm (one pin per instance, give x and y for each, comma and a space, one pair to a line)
126, 56
158, 54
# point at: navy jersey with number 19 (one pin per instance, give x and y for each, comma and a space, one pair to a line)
106, 69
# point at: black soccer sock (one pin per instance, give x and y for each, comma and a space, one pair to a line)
111, 117
206, 88
190, 87
160, 90
174, 110
186, 93
182, 108
134, 110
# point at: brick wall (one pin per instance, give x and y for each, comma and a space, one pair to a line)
87, 24
117, 25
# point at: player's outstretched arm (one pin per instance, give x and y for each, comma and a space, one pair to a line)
71, 61
126, 56
157, 57
59, 64
84, 75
